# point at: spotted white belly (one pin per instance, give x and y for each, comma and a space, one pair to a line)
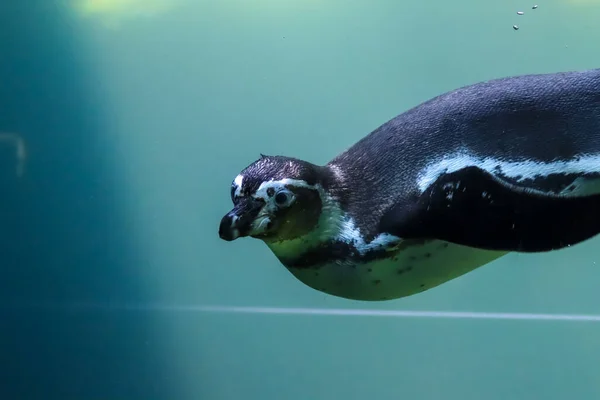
411, 270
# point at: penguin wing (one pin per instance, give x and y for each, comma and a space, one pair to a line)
476, 208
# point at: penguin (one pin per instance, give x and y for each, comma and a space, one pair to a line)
505, 165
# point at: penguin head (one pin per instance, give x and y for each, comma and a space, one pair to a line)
275, 199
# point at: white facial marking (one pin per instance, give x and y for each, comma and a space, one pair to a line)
279, 185
518, 170
238, 184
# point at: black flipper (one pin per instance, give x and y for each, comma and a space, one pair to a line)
473, 208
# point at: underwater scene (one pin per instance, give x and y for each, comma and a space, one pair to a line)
299, 199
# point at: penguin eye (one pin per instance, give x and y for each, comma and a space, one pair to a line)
283, 198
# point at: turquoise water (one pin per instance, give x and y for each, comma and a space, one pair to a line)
137, 116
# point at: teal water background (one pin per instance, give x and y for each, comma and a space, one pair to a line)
138, 117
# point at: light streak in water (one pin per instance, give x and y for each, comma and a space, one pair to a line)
334, 312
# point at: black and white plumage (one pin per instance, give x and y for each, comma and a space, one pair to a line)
508, 165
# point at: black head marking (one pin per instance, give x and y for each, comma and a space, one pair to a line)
284, 195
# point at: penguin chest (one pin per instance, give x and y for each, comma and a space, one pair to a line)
408, 271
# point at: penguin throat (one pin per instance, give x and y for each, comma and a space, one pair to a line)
336, 239
329, 227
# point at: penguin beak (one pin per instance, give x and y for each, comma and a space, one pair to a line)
238, 222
